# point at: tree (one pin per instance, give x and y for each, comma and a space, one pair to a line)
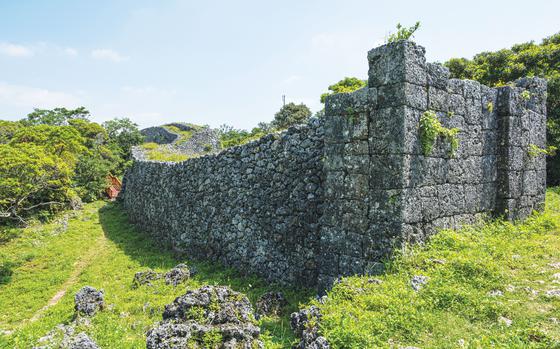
90, 176
56, 116
64, 142
291, 114
345, 85
403, 33
526, 59
122, 134
8, 129
31, 178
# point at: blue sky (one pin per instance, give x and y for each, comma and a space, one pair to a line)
215, 62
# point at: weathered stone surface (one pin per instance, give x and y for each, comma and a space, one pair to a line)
177, 275
271, 303
81, 341
305, 324
335, 196
88, 301
145, 278
212, 316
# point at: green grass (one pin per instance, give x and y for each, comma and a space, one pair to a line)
155, 152
101, 249
454, 309
184, 136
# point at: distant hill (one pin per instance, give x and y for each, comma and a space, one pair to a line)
178, 141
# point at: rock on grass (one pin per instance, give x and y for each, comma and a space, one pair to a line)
88, 301
211, 316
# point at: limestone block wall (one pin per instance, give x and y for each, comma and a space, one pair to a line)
336, 196
381, 190
255, 207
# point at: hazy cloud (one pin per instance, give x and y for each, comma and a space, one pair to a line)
108, 55
14, 50
33, 97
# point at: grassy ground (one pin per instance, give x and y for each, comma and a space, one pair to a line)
43, 266
486, 286
459, 306
157, 152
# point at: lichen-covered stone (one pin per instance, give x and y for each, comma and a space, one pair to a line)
177, 275
81, 341
145, 278
212, 316
271, 303
305, 324
88, 301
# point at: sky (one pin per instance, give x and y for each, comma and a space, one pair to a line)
226, 62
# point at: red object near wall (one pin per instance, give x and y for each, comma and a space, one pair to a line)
114, 187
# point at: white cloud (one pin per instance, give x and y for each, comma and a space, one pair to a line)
33, 97
108, 54
14, 50
69, 51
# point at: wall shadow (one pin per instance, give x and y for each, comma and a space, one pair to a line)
151, 253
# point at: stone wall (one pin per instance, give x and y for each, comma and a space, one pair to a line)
338, 195
254, 207
382, 191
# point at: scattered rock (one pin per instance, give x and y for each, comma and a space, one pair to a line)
374, 281
510, 288
81, 341
495, 293
145, 278
505, 321
418, 281
177, 275
556, 276
211, 316
553, 293
305, 324
437, 261
63, 337
271, 303
88, 301
555, 265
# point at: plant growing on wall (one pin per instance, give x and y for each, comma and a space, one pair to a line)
403, 33
431, 129
535, 150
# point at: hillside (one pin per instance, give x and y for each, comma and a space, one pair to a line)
491, 285
177, 142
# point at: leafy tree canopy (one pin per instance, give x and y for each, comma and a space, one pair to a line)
291, 114
344, 86
56, 116
31, 178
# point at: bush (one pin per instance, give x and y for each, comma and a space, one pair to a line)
31, 178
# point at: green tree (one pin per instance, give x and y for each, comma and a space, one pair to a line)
526, 59
403, 33
56, 116
344, 86
291, 114
8, 129
31, 178
64, 142
90, 175
123, 134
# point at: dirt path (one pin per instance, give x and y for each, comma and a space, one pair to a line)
81, 264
